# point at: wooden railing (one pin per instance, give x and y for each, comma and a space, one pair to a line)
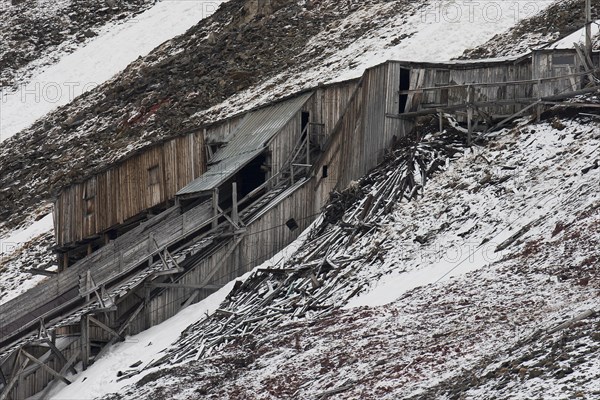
120, 257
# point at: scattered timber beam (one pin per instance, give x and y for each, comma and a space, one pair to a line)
505, 120
46, 368
573, 105
184, 286
564, 325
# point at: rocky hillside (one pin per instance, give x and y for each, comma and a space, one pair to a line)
482, 285
37, 33
557, 21
240, 45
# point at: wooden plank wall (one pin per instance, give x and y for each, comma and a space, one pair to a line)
394, 128
108, 199
544, 66
440, 75
340, 148
333, 102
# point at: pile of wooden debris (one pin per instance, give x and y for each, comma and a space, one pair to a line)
323, 274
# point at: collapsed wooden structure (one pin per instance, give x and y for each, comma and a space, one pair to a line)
242, 190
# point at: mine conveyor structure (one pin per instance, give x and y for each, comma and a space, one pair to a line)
264, 177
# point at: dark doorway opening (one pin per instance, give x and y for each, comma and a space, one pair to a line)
305, 119
404, 85
251, 176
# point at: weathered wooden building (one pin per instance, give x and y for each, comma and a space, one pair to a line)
247, 187
89, 213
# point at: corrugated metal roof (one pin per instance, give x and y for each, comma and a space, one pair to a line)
249, 140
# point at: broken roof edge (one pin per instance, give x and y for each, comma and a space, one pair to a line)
250, 139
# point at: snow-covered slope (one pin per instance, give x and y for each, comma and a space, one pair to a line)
222, 64
462, 292
24, 249
377, 32
35, 34
98, 60
558, 20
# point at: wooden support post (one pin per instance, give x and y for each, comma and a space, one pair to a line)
469, 114
89, 249
147, 315
89, 285
215, 206
588, 27
292, 173
234, 199
307, 145
441, 120
85, 341
65, 262
539, 103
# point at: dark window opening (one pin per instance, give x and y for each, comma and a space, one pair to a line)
153, 175
291, 224
564, 59
404, 86
325, 172
251, 176
305, 119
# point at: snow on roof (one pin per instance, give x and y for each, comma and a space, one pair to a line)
577, 37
